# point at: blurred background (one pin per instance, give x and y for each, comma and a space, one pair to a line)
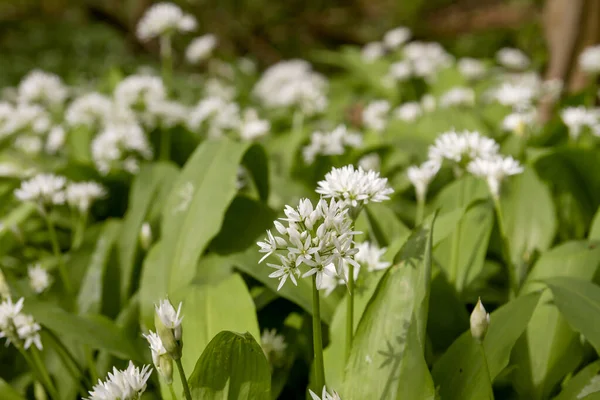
87, 39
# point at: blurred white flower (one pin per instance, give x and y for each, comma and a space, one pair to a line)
156, 347
494, 170
43, 88
26, 117
168, 113
369, 255
273, 345
421, 176
427, 59
589, 59
396, 37
370, 161
375, 114
471, 68
330, 143
458, 96
28, 144
56, 139
215, 87
519, 121
372, 51
137, 91
39, 278
81, 195
200, 48
169, 317
515, 95
128, 384
408, 112
400, 71
428, 103
18, 327
325, 395
164, 19
45, 189
512, 58
91, 110
354, 187
252, 127
117, 147
576, 118
462, 147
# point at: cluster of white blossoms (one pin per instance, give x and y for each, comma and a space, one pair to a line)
92, 110
325, 395
318, 240
53, 190
589, 60
120, 147
578, 118
136, 92
164, 19
354, 187
471, 68
17, 327
292, 84
409, 111
128, 384
40, 87
330, 143
39, 278
421, 176
513, 59
372, 51
457, 97
392, 40
273, 345
201, 48
375, 115
494, 170
426, 59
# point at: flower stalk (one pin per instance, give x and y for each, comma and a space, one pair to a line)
514, 279
62, 268
184, 383
317, 337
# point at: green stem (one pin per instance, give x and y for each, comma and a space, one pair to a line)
45, 377
317, 338
79, 230
420, 210
514, 279
62, 268
184, 383
173, 395
453, 272
67, 358
485, 361
350, 311
89, 357
166, 55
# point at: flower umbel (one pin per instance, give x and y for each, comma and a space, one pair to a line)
128, 384
39, 278
494, 170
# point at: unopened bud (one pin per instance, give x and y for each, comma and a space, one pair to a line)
146, 236
38, 391
480, 320
165, 368
167, 338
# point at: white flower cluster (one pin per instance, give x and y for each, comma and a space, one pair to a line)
39, 278
589, 60
513, 59
292, 84
325, 395
392, 40
119, 147
578, 118
17, 327
471, 68
426, 59
372, 51
330, 143
421, 176
375, 114
128, 384
354, 187
92, 110
457, 97
51, 190
494, 170
317, 238
164, 19
409, 111
273, 345
40, 87
200, 48
136, 92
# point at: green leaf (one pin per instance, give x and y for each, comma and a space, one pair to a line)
151, 285
595, 229
384, 347
8, 393
576, 384
383, 225
148, 190
89, 299
95, 331
461, 373
233, 366
530, 215
579, 302
550, 349
257, 163
195, 209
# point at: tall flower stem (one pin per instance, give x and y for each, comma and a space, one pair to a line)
420, 210
166, 55
317, 337
62, 268
43, 372
80, 224
512, 273
454, 261
485, 361
350, 311
184, 383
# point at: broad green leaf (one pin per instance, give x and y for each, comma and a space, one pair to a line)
95, 331
89, 299
550, 348
380, 350
579, 302
595, 229
257, 163
384, 226
576, 384
8, 393
195, 209
14, 219
247, 262
147, 191
529, 214
233, 366
151, 284
461, 374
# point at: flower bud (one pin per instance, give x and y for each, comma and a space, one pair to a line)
38, 391
165, 368
480, 320
167, 338
146, 236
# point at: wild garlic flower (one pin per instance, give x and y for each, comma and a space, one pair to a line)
396, 37
170, 317
494, 170
427, 59
516, 95
56, 139
372, 51
17, 327
458, 96
156, 347
43, 88
26, 117
166, 113
375, 114
400, 71
330, 143
92, 110
164, 19
315, 241
370, 161
354, 187
200, 48
118, 147
519, 121
512, 58
480, 321
408, 112
274, 346
44, 189
576, 118
252, 127
428, 103
292, 84
137, 91
369, 255
81, 195
128, 384
421, 176
39, 278
325, 395
589, 60
462, 147
471, 68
